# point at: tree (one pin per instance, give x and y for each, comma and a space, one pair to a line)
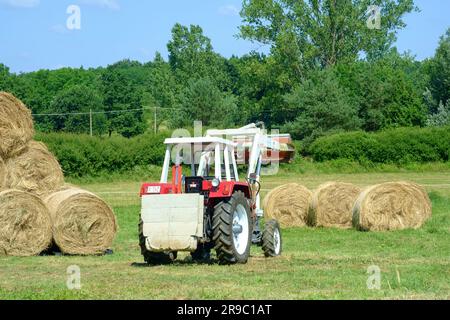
322, 106
310, 33
202, 101
261, 86
160, 90
385, 94
191, 56
161, 83
440, 71
77, 99
123, 99
5, 78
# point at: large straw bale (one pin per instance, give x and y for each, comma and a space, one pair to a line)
83, 224
288, 204
36, 171
332, 205
16, 125
392, 206
25, 225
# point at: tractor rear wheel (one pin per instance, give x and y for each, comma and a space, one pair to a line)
271, 239
232, 225
154, 258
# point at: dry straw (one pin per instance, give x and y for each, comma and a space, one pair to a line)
16, 126
36, 171
25, 225
2, 174
83, 224
392, 206
332, 205
288, 204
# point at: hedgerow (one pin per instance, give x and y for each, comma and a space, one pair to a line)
396, 146
82, 155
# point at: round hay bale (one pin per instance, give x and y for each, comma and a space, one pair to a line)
391, 206
36, 171
16, 125
288, 204
25, 225
83, 224
332, 205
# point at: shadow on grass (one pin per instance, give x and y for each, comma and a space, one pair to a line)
186, 262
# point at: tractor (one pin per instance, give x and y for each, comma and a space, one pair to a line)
210, 208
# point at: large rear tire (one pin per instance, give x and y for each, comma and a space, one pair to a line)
232, 225
154, 258
271, 239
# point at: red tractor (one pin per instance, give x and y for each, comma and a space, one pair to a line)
210, 208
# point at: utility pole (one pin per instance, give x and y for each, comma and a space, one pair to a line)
90, 121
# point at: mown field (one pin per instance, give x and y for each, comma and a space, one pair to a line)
316, 263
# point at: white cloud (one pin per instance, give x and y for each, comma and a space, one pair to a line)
229, 10
107, 4
21, 3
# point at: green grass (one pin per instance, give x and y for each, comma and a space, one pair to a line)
316, 263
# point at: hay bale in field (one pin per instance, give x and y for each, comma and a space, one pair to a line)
288, 204
16, 125
83, 224
391, 206
332, 205
36, 171
25, 225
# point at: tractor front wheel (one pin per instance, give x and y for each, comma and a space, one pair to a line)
271, 239
232, 225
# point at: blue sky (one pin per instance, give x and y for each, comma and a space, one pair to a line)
33, 33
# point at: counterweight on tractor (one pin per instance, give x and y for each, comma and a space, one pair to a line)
210, 208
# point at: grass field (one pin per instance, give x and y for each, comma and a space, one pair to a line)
316, 263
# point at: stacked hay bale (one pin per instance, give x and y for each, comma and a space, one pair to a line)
288, 204
35, 170
83, 224
25, 226
16, 126
391, 206
30, 174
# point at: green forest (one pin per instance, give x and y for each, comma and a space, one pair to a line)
326, 72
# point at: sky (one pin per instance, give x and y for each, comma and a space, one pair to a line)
34, 33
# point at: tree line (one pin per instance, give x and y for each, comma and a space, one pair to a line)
326, 72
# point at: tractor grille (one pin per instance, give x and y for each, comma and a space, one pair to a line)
193, 184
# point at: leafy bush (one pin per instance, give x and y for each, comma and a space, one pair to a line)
395, 146
323, 108
384, 92
82, 155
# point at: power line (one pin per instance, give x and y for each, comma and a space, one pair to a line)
142, 109
99, 112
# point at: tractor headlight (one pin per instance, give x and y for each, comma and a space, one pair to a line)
215, 182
